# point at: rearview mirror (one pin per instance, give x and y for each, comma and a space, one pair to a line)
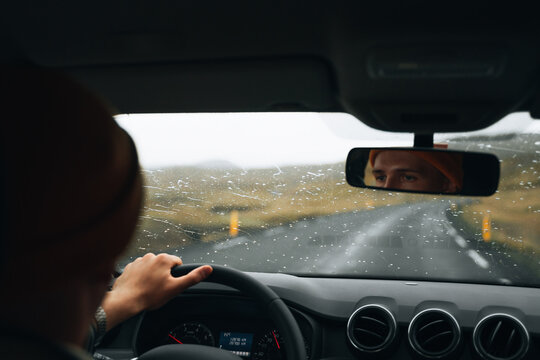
431, 171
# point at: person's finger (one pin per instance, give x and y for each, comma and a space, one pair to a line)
145, 257
176, 260
169, 260
195, 276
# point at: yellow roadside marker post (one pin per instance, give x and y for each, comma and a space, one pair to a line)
233, 226
486, 228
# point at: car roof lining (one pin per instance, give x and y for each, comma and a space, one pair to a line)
284, 56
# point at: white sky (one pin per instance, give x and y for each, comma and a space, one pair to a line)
267, 139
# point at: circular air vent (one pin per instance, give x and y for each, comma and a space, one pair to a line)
501, 336
371, 328
434, 333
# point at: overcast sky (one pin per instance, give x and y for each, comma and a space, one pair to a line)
267, 139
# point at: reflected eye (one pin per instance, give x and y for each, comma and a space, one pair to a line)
408, 178
380, 178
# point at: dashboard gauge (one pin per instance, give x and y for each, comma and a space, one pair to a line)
191, 333
269, 347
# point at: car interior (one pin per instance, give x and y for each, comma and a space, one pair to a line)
427, 69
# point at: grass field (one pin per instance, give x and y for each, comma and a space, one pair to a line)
514, 211
186, 205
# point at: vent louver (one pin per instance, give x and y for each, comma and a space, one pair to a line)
434, 334
501, 336
371, 328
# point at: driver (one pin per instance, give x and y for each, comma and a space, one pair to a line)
71, 196
428, 171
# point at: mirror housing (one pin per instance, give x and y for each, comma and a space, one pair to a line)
426, 170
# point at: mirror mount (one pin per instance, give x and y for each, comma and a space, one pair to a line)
423, 140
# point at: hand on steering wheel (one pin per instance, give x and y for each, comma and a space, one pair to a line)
266, 297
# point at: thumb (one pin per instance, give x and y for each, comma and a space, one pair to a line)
194, 277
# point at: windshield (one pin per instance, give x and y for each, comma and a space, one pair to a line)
267, 192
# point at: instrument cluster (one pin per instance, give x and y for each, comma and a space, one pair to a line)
267, 344
230, 323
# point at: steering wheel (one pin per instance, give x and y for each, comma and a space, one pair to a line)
266, 297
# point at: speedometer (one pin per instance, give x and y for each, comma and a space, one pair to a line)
269, 347
191, 333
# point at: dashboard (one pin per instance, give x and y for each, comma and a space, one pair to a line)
347, 319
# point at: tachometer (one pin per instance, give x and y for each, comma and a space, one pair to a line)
191, 333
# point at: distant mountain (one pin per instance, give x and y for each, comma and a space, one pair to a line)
477, 138
217, 164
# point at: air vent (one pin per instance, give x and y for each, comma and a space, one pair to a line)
371, 328
434, 334
501, 337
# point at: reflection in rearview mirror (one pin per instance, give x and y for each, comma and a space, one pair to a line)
433, 171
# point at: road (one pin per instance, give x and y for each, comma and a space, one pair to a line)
405, 241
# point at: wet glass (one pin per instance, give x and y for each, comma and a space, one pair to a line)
267, 192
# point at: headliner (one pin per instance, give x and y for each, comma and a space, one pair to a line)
474, 63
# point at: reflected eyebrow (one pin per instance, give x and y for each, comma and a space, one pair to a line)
401, 170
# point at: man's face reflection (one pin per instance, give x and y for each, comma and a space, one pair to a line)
404, 171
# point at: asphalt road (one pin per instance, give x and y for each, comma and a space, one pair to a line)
405, 242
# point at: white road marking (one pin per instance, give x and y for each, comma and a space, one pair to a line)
478, 259
457, 238
460, 241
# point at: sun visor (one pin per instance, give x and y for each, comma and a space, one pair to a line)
448, 86
427, 118
295, 84
535, 107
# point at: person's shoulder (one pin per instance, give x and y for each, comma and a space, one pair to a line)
16, 346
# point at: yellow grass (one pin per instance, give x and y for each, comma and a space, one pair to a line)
186, 205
